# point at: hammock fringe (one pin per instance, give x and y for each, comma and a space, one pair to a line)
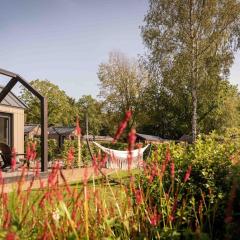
123, 159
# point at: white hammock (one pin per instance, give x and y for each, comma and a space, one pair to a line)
120, 159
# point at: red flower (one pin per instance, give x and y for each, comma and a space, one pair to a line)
166, 161
163, 168
131, 143
78, 129
122, 125
7, 219
33, 152
70, 156
11, 236
168, 156
138, 196
172, 169
154, 219
14, 161
188, 172
28, 152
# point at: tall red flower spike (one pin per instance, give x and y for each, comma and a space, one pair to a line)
14, 160
28, 152
78, 129
131, 142
172, 169
122, 125
188, 172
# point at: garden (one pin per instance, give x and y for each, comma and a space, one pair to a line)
181, 192
180, 84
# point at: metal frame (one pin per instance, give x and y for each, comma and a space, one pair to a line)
44, 112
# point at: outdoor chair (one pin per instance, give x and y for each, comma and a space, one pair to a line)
6, 155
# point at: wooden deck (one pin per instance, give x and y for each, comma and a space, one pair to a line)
11, 179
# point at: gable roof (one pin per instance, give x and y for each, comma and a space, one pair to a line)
30, 127
98, 138
149, 137
12, 101
186, 138
61, 130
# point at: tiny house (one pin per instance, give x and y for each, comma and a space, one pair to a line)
12, 122
31, 131
61, 133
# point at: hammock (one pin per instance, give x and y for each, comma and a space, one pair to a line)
121, 159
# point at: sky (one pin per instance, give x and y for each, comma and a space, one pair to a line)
64, 41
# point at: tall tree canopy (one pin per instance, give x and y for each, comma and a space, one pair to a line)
122, 83
61, 108
93, 108
191, 45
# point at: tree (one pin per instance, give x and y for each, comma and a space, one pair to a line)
61, 109
122, 82
226, 114
191, 45
90, 106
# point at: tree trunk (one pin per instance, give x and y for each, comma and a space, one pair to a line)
194, 73
194, 114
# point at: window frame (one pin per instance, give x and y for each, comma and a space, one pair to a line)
8, 116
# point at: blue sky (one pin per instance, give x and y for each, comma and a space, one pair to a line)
64, 41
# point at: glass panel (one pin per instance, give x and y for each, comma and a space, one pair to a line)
4, 130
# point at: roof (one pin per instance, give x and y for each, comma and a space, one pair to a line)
149, 137
12, 100
98, 138
186, 138
29, 127
61, 130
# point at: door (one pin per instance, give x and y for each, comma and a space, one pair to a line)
6, 128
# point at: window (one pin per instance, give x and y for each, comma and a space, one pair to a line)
5, 128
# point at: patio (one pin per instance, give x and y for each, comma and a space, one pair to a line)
12, 179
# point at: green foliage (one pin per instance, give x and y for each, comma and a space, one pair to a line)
52, 147
93, 108
61, 108
191, 48
122, 83
214, 160
86, 157
148, 203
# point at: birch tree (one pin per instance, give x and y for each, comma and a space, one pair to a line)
191, 42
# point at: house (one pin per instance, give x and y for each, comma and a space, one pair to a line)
149, 138
12, 122
18, 118
31, 131
61, 133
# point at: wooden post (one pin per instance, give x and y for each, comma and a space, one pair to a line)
79, 150
44, 135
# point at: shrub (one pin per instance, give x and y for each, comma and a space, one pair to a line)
52, 147
209, 185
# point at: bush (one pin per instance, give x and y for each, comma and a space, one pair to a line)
210, 161
86, 157
52, 147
